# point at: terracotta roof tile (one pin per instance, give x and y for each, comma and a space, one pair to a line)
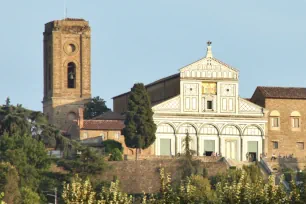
103, 125
283, 92
109, 116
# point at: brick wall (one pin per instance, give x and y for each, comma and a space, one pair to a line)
286, 136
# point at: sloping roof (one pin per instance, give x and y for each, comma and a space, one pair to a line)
109, 116
177, 75
103, 125
283, 92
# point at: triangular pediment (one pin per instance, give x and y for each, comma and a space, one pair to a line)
171, 105
209, 68
246, 106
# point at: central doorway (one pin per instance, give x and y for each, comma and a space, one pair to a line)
231, 149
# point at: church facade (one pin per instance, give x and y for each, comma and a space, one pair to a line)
203, 100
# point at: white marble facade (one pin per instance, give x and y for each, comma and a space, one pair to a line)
210, 109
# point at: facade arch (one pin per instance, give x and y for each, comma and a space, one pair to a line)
209, 129
231, 129
182, 129
274, 113
165, 127
295, 114
165, 139
253, 130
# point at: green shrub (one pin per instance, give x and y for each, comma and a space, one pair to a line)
110, 145
116, 155
288, 176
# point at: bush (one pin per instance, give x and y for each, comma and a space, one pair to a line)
116, 155
288, 176
110, 145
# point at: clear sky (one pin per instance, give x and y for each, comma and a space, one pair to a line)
142, 41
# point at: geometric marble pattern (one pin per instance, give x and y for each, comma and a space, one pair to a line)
169, 105
246, 106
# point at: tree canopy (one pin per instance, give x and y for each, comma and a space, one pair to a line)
139, 131
96, 106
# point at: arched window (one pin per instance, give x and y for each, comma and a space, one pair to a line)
275, 119
295, 119
71, 116
71, 75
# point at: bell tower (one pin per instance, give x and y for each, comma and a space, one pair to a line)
67, 80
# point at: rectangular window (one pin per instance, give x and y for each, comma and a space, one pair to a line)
224, 104
300, 145
117, 135
275, 122
187, 104
209, 105
194, 103
230, 104
275, 145
295, 122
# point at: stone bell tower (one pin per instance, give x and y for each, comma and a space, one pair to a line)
67, 83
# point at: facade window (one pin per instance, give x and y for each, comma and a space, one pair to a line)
295, 119
85, 135
274, 120
71, 74
117, 135
300, 145
295, 122
275, 145
102, 136
209, 105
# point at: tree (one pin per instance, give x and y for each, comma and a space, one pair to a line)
78, 191
139, 131
9, 183
96, 106
116, 155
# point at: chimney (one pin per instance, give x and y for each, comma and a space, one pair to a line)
81, 118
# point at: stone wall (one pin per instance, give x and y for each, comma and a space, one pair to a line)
143, 175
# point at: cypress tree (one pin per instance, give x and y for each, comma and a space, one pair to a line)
139, 131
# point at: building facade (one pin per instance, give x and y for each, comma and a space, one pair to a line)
67, 84
286, 115
203, 100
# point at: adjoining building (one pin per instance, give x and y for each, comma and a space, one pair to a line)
203, 100
286, 116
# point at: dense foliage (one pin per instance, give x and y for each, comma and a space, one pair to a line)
139, 131
116, 155
96, 106
110, 145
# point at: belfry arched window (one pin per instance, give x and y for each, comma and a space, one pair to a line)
71, 74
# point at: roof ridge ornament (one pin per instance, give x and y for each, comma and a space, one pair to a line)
209, 52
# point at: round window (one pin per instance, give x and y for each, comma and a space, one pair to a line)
71, 48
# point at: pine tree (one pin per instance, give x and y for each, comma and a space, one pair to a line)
139, 131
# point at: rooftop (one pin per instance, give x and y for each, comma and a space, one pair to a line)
103, 125
283, 92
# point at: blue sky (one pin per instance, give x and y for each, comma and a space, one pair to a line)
142, 41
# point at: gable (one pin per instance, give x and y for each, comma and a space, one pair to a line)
171, 105
246, 106
209, 68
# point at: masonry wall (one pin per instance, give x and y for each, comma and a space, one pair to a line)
285, 135
94, 137
143, 176
157, 92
